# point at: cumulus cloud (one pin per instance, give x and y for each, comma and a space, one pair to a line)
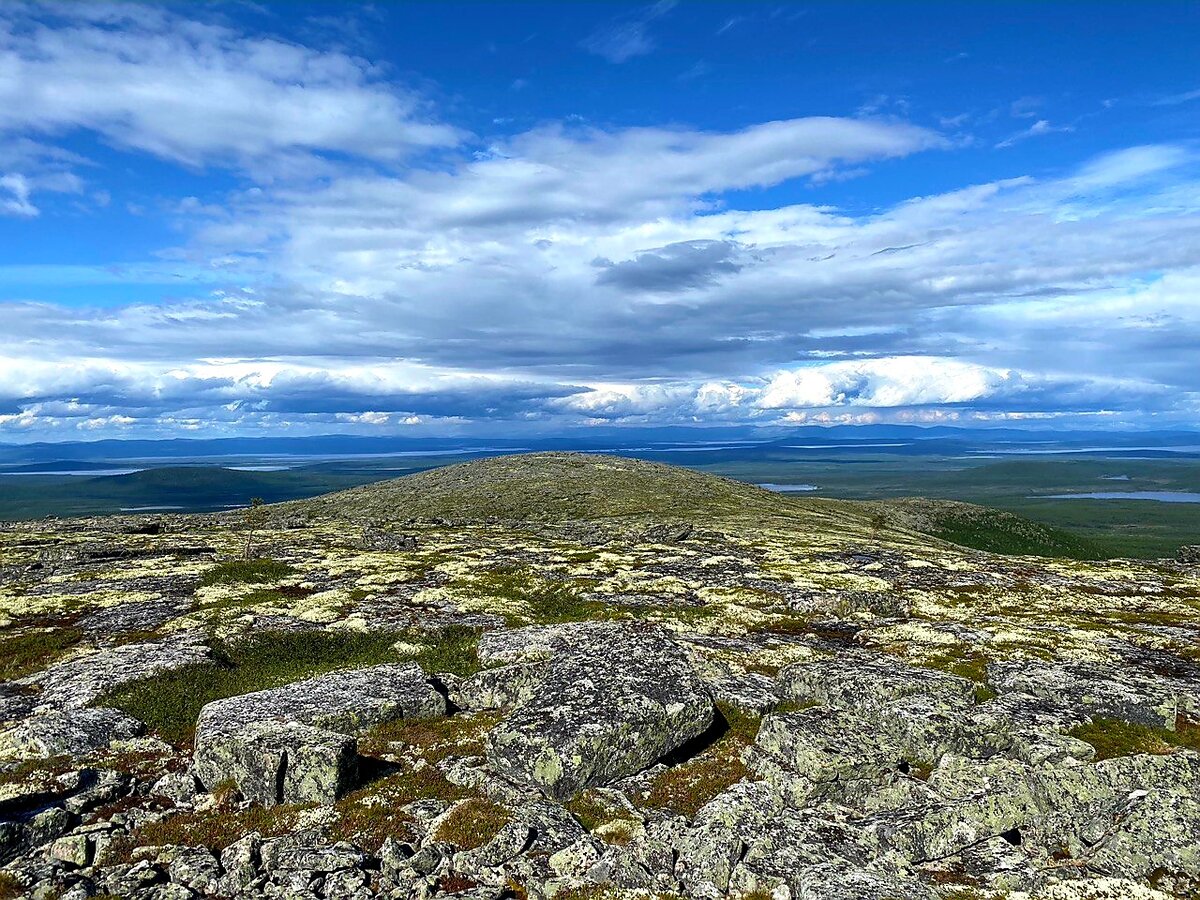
570, 273
675, 267
196, 93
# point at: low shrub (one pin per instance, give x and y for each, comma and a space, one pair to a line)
472, 823
246, 571
24, 654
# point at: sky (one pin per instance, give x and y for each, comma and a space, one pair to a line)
482, 218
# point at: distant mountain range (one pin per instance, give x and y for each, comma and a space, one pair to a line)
592, 439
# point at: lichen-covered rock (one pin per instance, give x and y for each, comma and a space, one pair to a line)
345, 701
290, 744
1155, 832
869, 684
77, 682
1103, 690
820, 751
272, 762
501, 687
618, 699
67, 732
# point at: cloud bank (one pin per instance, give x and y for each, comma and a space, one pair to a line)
377, 268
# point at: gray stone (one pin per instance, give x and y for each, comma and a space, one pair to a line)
869, 684
67, 732
180, 787
612, 703
278, 762
501, 687
821, 751
345, 701
195, 868
1093, 689
287, 744
80, 680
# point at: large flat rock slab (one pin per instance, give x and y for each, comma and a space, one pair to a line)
76, 682
294, 743
614, 699
345, 701
869, 684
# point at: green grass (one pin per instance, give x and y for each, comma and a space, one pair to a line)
10, 886
372, 814
542, 601
548, 487
454, 648
433, 740
1114, 737
24, 654
214, 828
992, 530
246, 571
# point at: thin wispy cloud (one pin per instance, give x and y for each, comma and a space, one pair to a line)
629, 35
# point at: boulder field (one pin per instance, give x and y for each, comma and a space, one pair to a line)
715, 694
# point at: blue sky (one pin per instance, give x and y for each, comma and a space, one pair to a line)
424, 218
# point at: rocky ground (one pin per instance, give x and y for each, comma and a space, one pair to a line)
566, 676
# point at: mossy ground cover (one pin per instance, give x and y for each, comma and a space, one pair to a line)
246, 571
10, 887
432, 740
683, 789
472, 823
1114, 737
373, 813
214, 828
29, 652
454, 648
527, 597
170, 702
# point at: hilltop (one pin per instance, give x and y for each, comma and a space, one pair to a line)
546, 487
577, 676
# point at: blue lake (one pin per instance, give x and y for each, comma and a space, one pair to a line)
788, 488
1158, 496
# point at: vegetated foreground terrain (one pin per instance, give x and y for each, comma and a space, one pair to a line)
574, 676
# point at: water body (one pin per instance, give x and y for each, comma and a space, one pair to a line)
788, 488
1158, 496
72, 472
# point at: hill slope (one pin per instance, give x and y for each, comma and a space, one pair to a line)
547, 487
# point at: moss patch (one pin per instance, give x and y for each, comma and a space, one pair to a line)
529, 598
24, 654
1114, 737
433, 740
451, 649
170, 702
246, 571
472, 823
215, 829
10, 887
371, 814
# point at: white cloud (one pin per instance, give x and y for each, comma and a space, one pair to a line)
569, 273
147, 79
17, 202
629, 35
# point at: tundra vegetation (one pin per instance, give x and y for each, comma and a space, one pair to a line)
569, 676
